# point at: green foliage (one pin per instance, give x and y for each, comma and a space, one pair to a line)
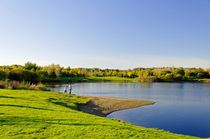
38, 114
52, 73
30, 66
148, 79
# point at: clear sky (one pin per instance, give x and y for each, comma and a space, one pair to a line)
106, 33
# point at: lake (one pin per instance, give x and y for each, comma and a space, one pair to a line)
182, 108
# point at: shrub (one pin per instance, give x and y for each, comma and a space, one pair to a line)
2, 84
148, 79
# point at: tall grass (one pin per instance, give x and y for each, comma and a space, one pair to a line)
21, 85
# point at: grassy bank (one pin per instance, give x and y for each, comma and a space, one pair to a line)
202, 80
124, 79
42, 114
95, 79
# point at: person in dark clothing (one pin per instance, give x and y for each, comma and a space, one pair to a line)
70, 86
69, 81
65, 89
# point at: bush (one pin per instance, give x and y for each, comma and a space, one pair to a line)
2, 84
148, 79
38, 86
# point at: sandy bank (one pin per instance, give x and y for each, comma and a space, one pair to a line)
102, 106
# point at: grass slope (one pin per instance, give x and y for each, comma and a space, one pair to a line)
94, 79
41, 114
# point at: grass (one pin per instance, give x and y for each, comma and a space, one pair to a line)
42, 114
94, 79
203, 80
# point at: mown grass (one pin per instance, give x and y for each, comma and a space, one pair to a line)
42, 114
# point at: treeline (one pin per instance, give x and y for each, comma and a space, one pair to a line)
34, 73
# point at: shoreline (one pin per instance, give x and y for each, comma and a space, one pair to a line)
103, 106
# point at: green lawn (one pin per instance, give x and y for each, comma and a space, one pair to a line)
42, 114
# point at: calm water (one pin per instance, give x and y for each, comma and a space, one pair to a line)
182, 108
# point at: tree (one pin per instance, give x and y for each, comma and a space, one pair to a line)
2, 75
57, 70
30, 66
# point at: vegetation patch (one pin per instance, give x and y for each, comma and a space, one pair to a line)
22, 85
203, 80
96, 79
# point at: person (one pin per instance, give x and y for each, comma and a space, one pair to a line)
65, 89
69, 81
70, 86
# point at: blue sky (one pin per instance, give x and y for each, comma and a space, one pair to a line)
106, 33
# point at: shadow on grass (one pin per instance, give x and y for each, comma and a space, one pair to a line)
92, 108
16, 120
57, 102
20, 106
9, 97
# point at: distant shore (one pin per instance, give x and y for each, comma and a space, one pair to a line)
130, 80
102, 106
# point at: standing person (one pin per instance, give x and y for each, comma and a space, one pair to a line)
70, 86
65, 89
